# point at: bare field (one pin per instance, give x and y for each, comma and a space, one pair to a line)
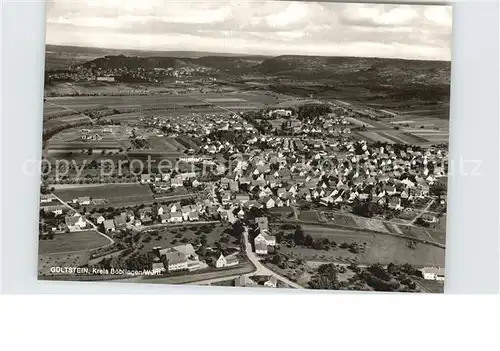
376, 136
163, 144
69, 242
113, 192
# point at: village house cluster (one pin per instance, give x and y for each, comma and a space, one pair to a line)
198, 124
178, 258
151, 75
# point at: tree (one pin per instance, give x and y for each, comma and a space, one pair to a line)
203, 240
392, 269
326, 278
280, 236
378, 271
298, 236
238, 229
308, 240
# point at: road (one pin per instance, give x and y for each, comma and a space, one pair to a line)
69, 109
86, 220
422, 212
261, 269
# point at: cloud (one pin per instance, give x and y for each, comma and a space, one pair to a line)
439, 15
254, 26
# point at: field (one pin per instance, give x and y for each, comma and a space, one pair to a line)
390, 136
253, 99
117, 195
74, 259
424, 233
71, 242
308, 216
372, 224
379, 248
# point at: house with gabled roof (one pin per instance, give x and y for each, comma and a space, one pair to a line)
262, 223
120, 221
272, 282
75, 223
145, 178
395, 203
261, 248
242, 198
267, 201
226, 261
176, 261
176, 217
433, 273
165, 217
97, 218
109, 225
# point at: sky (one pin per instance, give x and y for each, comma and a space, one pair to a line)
254, 27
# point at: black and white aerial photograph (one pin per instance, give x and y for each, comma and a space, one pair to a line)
262, 144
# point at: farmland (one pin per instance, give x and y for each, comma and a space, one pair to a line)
74, 259
340, 220
115, 195
69, 242
123, 104
379, 248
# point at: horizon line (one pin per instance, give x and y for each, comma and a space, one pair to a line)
244, 54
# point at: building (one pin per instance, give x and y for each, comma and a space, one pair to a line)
271, 283
120, 221
98, 218
105, 79
280, 113
55, 209
109, 225
260, 248
165, 218
432, 273
176, 217
194, 216
428, 218
226, 261
46, 198
176, 261
268, 240
145, 178
262, 223
188, 251
158, 267
85, 200
176, 182
75, 223
182, 257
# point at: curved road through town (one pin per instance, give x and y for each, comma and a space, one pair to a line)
261, 269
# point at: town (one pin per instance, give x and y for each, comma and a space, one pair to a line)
249, 198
